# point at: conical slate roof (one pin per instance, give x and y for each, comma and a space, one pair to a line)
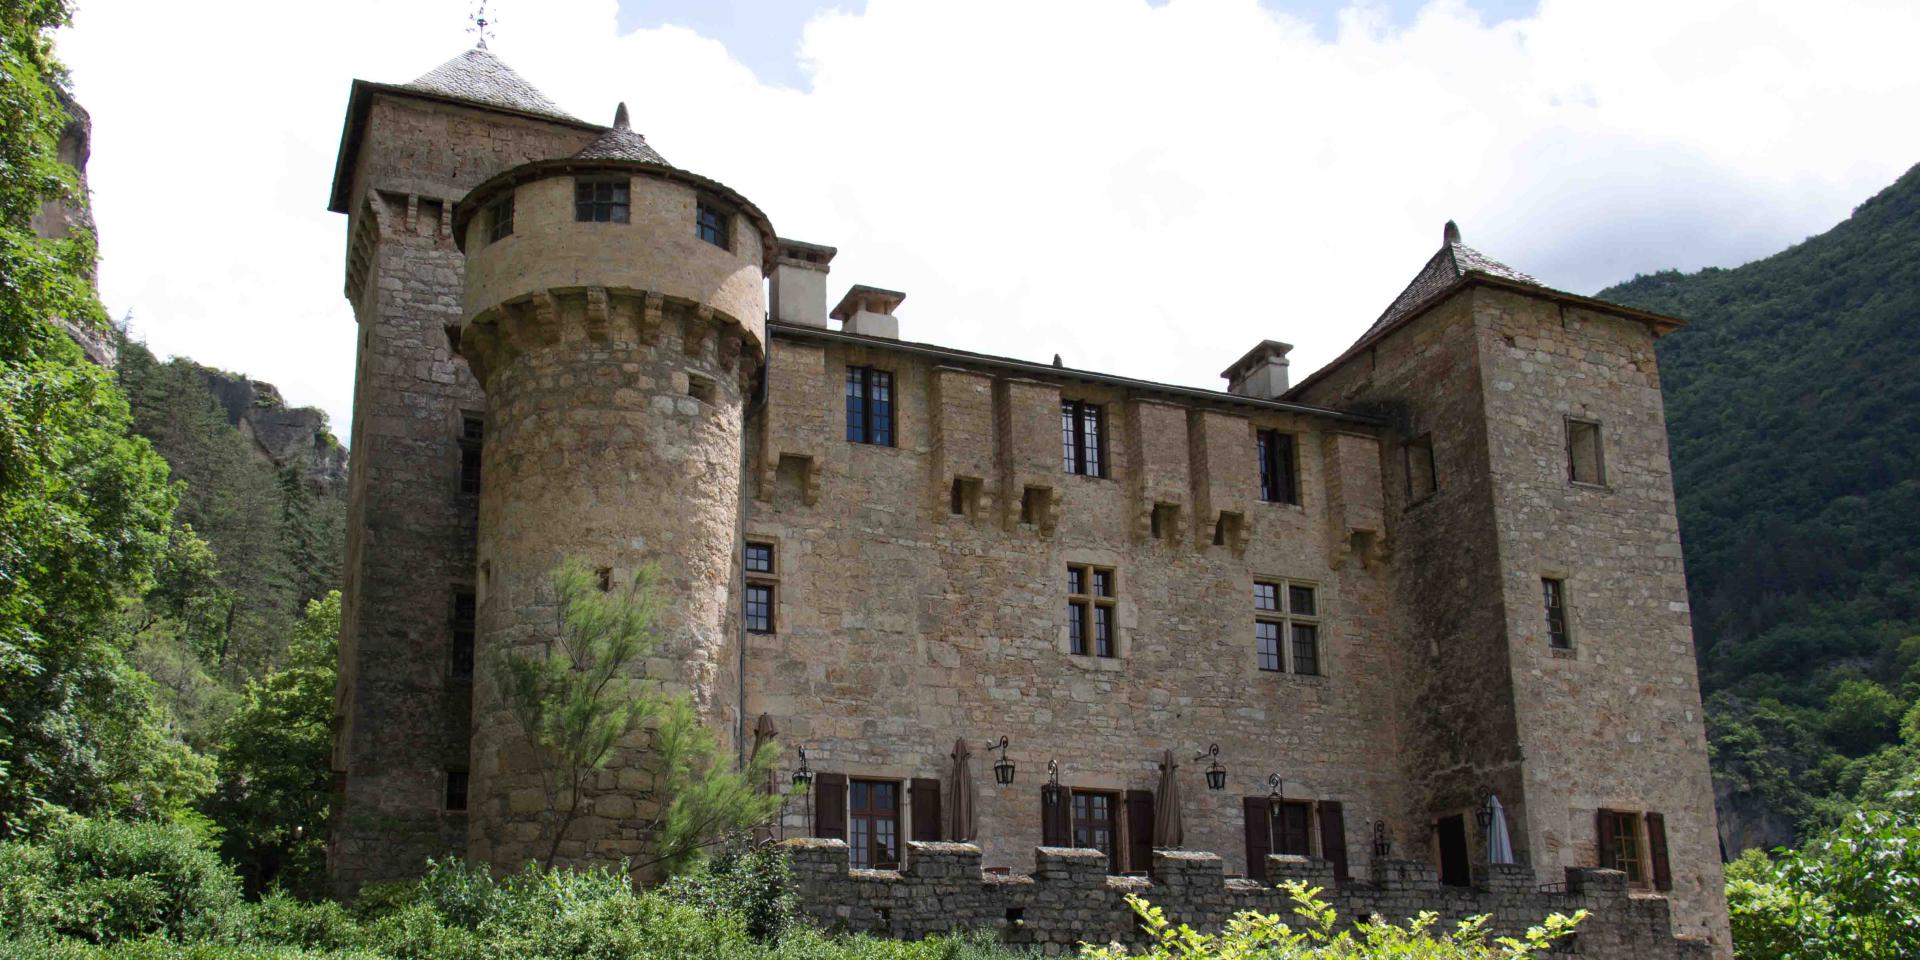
621, 143
481, 77
1450, 264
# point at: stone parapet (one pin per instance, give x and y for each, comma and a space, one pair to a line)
1070, 899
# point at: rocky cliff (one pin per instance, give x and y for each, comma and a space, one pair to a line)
287, 437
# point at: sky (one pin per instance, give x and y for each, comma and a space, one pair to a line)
1145, 187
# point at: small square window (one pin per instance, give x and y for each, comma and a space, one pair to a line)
1300, 601
713, 225
1585, 463
1266, 596
759, 558
600, 201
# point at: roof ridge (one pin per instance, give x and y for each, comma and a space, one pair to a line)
479, 75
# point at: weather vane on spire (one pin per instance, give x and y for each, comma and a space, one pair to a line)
480, 23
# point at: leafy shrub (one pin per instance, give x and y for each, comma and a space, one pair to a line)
283, 920
103, 881
753, 880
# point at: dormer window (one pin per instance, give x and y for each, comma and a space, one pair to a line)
600, 201
713, 225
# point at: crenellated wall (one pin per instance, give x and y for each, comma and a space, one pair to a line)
1070, 898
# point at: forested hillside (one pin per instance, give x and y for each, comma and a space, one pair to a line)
1793, 401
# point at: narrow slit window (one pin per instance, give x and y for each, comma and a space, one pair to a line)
473, 433
600, 201
1554, 596
460, 653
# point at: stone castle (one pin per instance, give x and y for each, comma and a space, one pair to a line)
1367, 619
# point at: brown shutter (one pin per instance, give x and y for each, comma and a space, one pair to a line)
1603, 839
830, 806
1259, 836
926, 809
1657, 849
1056, 820
1139, 830
1333, 837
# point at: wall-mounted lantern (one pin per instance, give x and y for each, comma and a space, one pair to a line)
1382, 844
1003, 767
1274, 785
803, 777
1051, 793
1216, 774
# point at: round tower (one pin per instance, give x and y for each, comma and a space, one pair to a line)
614, 314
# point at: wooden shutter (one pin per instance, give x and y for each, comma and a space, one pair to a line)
1333, 837
830, 806
926, 809
1139, 830
1657, 849
1259, 836
1056, 820
1603, 838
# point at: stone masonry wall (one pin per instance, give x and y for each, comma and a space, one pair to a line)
1070, 899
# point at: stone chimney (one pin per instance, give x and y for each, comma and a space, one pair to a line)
1262, 373
800, 282
869, 311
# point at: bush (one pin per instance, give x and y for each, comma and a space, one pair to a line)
103, 882
753, 880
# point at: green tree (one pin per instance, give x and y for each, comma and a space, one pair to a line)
1862, 715
273, 800
1854, 893
576, 703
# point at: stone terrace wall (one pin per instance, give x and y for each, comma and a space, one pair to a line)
1070, 899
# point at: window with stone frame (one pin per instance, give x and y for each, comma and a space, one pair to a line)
1091, 606
870, 406
873, 824
1417, 455
500, 218
712, 224
1286, 627
1554, 599
1279, 478
600, 200
1083, 438
473, 433
762, 576
1586, 459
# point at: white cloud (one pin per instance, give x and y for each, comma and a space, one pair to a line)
1146, 190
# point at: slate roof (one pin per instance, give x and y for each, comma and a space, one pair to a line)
621, 143
1442, 271
481, 77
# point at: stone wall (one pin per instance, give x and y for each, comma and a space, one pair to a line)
1070, 898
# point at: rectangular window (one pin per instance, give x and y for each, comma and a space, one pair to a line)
1421, 479
759, 610
456, 791
1624, 852
759, 558
873, 824
1585, 464
1090, 612
1554, 594
1296, 620
500, 218
460, 653
473, 433
870, 406
600, 201
1278, 481
1293, 828
1083, 438
1093, 823
713, 225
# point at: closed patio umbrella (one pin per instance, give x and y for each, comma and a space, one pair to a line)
1169, 830
960, 824
1499, 841
763, 734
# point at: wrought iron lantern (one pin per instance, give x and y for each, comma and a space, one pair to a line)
1275, 787
1216, 774
1052, 792
1003, 767
1382, 844
803, 777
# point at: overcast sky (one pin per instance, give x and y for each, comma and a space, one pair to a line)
1147, 188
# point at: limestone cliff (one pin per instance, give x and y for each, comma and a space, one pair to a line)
64, 216
287, 437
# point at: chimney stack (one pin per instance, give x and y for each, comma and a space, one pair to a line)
869, 311
800, 282
1262, 373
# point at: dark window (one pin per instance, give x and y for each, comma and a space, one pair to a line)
600, 201
1266, 596
473, 433
759, 608
500, 218
1584, 461
1093, 824
713, 225
1421, 479
1554, 594
606, 579
1623, 852
456, 790
759, 558
1292, 828
870, 406
1297, 622
1090, 606
1082, 438
1266, 643
1278, 482
873, 824
460, 655
1306, 649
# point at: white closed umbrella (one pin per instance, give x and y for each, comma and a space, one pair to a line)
1499, 841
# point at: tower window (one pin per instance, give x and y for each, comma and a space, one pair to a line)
1554, 594
1421, 478
1585, 464
473, 432
758, 562
460, 651
1090, 607
500, 218
456, 791
713, 225
1278, 481
1286, 628
870, 406
600, 201
1082, 438
759, 608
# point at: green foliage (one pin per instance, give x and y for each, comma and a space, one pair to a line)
1854, 893
104, 881
273, 801
1861, 715
576, 702
748, 878
1252, 935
